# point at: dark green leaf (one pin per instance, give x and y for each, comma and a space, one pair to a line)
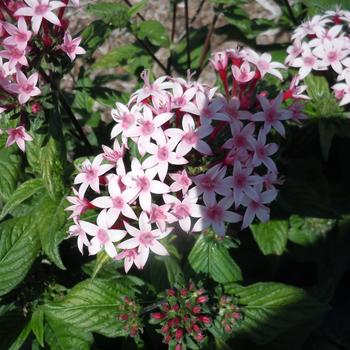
270, 308
94, 35
19, 246
155, 32
135, 9
37, 325
9, 165
114, 14
23, 192
17, 345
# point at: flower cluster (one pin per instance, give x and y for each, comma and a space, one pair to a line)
29, 30
228, 314
183, 315
129, 314
185, 157
322, 44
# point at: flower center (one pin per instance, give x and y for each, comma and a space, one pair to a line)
309, 61
146, 238
271, 115
240, 180
147, 127
118, 202
190, 137
208, 183
102, 236
21, 36
182, 211
143, 183
127, 120
163, 153
41, 9
157, 214
332, 56
215, 213
240, 140
263, 65
90, 172
27, 88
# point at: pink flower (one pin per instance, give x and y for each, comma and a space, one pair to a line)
20, 36
130, 257
262, 151
14, 55
77, 231
181, 96
190, 137
181, 182
307, 62
207, 110
242, 137
89, 174
332, 53
257, 207
242, 183
264, 64
147, 128
161, 155
117, 201
219, 61
272, 114
216, 214
183, 210
141, 184
159, 214
242, 74
39, 9
210, 183
103, 235
25, 87
71, 46
145, 239
231, 108
115, 155
125, 118
293, 51
79, 204
18, 135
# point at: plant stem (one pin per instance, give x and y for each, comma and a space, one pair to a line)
290, 12
206, 45
173, 30
149, 51
138, 14
188, 48
68, 110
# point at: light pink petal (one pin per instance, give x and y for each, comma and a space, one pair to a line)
158, 248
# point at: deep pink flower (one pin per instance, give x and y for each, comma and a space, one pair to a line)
18, 135
18, 36
25, 87
71, 46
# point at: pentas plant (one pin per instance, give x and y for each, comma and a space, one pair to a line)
30, 30
322, 44
185, 158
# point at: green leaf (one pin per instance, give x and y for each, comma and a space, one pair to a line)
211, 256
92, 305
174, 270
52, 167
94, 35
270, 308
37, 325
17, 345
135, 9
19, 246
328, 4
271, 236
114, 14
155, 32
102, 259
50, 220
23, 192
9, 165
63, 336
118, 57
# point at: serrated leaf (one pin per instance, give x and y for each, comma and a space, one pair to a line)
64, 336
19, 246
271, 236
114, 14
270, 308
23, 192
50, 220
155, 32
9, 165
92, 305
37, 325
210, 255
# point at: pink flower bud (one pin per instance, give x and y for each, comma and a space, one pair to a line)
158, 315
